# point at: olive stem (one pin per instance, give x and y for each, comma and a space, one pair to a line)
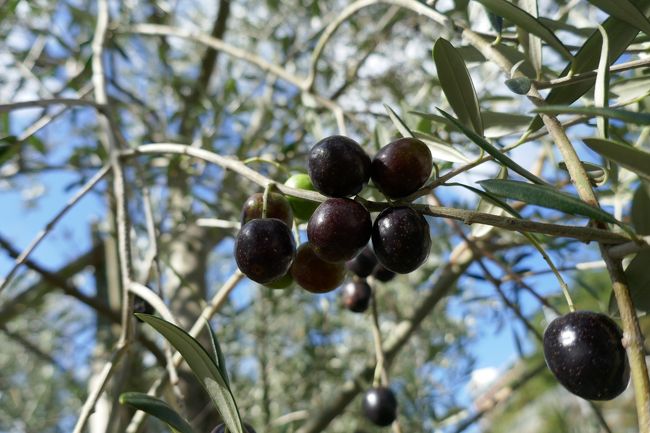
381, 375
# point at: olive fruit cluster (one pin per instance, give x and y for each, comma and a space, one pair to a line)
339, 228
584, 351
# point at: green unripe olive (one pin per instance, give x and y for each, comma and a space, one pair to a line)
282, 282
302, 208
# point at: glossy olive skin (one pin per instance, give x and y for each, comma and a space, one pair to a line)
338, 166
356, 296
277, 207
302, 209
363, 263
401, 240
400, 168
221, 428
380, 406
382, 274
315, 274
339, 229
583, 349
264, 249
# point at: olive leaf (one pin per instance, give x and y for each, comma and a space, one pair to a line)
528, 22
399, 123
545, 196
203, 367
156, 408
612, 113
457, 85
625, 11
640, 212
633, 159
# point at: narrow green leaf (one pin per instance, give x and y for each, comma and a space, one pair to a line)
528, 22
625, 11
156, 408
586, 59
612, 113
441, 151
489, 148
398, 122
633, 159
457, 85
641, 210
203, 367
218, 353
545, 196
601, 92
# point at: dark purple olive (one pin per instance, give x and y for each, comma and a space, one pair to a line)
277, 207
400, 168
583, 349
338, 166
338, 229
315, 274
356, 296
363, 263
380, 406
264, 249
400, 239
382, 274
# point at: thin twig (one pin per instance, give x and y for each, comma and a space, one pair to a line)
47, 102
467, 216
50, 225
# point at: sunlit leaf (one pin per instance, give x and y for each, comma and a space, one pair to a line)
398, 122
441, 151
601, 92
457, 85
487, 206
218, 353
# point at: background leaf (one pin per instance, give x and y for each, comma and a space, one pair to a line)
203, 367
638, 279
545, 196
586, 59
625, 11
528, 22
629, 157
640, 213
156, 408
457, 85
486, 206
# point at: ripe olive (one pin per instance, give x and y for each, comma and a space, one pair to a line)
363, 263
356, 296
277, 207
400, 168
315, 274
264, 249
401, 240
583, 349
338, 229
380, 406
338, 166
